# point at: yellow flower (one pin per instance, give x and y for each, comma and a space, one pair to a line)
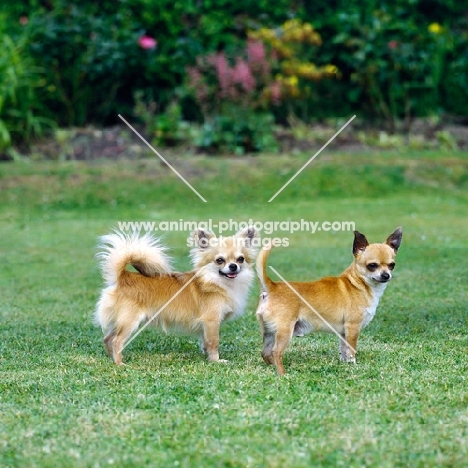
314, 38
330, 69
293, 81
283, 50
435, 28
253, 34
267, 34
291, 24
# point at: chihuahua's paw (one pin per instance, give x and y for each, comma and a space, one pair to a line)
215, 358
347, 358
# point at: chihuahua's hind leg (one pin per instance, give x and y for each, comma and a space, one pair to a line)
121, 336
202, 345
283, 337
268, 344
268, 340
108, 342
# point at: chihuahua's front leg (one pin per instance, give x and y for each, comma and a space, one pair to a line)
211, 340
348, 343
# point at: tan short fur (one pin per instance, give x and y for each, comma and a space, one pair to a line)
347, 302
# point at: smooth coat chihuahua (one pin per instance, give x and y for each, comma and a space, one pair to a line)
194, 302
343, 304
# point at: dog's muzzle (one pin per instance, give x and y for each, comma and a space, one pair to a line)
383, 278
232, 273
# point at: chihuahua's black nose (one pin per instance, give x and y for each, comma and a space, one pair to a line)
385, 276
232, 266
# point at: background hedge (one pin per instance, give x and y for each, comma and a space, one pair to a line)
75, 63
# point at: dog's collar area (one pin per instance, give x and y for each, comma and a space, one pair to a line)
228, 275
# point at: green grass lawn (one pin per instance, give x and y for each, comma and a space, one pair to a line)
405, 403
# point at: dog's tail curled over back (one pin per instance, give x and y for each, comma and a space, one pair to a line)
265, 281
145, 254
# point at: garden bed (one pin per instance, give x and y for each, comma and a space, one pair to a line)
89, 143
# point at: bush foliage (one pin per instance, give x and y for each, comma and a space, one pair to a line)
85, 62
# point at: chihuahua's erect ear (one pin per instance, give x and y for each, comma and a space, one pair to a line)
360, 243
202, 238
394, 239
248, 234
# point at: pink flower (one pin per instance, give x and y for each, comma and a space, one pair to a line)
255, 51
224, 74
242, 75
223, 71
197, 83
275, 89
147, 42
392, 45
256, 56
23, 20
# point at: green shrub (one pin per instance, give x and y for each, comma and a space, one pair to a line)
392, 65
22, 113
295, 47
88, 60
235, 95
165, 128
238, 132
396, 65
82, 62
454, 83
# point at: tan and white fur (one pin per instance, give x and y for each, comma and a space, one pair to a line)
215, 290
346, 303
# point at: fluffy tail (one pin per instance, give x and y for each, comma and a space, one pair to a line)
262, 258
145, 254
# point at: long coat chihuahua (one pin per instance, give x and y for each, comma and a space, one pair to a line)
343, 304
194, 302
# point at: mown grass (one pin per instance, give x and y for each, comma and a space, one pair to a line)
63, 403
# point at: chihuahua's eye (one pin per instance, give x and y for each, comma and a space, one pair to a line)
240, 260
372, 266
219, 260
391, 266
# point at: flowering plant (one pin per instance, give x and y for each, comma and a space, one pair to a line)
395, 66
234, 95
245, 80
293, 45
275, 68
147, 42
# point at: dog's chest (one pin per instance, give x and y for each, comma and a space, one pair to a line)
369, 311
238, 293
238, 298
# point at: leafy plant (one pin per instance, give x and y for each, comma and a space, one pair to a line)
238, 133
22, 113
396, 64
234, 95
293, 48
454, 85
88, 58
165, 128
